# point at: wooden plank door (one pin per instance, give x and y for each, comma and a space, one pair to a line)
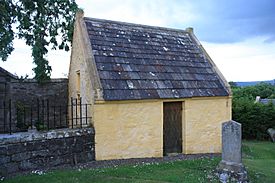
172, 127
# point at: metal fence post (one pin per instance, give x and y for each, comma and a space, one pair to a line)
86, 110
38, 111
66, 119
60, 115
54, 116
24, 113
80, 111
48, 115
76, 111
43, 112
31, 116
4, 106
10, 115
72, 111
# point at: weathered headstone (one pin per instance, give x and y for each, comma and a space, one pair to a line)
231, 165
271, 132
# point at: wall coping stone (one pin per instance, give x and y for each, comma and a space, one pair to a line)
53, 80
32, 135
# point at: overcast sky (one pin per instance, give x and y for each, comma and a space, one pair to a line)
239, 35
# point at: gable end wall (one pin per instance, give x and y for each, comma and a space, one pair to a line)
83, 62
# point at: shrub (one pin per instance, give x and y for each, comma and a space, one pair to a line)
255, 118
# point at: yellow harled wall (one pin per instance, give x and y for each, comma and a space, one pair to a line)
202, 124
128, 130
134, 129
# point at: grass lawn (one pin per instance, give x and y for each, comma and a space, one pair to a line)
178, 171
259, 157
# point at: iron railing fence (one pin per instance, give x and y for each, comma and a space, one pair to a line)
16, 116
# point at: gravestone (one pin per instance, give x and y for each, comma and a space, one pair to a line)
271, 133
231, 167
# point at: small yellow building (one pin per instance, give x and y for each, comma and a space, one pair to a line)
153, 90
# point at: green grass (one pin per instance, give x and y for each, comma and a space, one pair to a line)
179, 171
259, 158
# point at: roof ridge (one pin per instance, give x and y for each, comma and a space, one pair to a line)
137, 25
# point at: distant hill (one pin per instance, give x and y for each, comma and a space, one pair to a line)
252, 83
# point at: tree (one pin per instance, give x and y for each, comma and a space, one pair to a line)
40, 23
255, 118
232, 84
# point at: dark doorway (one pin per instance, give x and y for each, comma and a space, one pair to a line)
172, 127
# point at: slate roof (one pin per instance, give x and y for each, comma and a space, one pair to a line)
4, 72
145, 62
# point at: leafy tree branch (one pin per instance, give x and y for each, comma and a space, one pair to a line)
40, 23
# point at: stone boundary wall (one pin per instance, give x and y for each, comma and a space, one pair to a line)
27, 91
28, 151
